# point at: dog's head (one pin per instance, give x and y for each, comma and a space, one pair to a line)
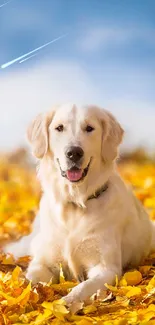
79, 140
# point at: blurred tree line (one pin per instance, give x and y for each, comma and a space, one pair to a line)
22, 156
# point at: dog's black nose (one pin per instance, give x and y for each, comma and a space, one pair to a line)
74, 153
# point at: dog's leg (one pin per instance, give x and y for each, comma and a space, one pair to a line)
98, 277
44, 265
40, 271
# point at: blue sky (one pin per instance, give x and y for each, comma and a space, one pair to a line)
107, 57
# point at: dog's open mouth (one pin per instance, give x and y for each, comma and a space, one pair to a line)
75, 174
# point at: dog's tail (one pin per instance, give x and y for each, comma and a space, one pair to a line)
22, 247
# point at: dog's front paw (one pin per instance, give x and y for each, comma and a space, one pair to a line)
38, 273
73, 302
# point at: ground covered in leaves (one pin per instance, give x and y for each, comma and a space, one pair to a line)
131, 301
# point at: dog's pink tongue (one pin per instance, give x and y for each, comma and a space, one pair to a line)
74, 175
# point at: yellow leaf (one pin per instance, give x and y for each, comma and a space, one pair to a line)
149, 203
133, 277
49, 305
8, 259
23, 298
42, 317
5, 277
145, 269
89, 309
122, 322
59, 311
122, 282
26, 318
110, 287
15, 273
116, 284
62, 279
132, 317
133, 292
63, 286
57, 307
151, 284
85, 322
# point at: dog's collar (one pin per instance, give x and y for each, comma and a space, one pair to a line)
98, 192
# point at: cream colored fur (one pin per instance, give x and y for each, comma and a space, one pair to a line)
95, 238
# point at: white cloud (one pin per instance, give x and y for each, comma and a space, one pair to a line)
138, 120
24, 93
99, 37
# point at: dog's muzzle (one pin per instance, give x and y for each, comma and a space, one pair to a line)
75, 174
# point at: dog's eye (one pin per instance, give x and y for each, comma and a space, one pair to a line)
89, 128
60, 128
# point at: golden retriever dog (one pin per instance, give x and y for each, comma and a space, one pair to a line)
89, 221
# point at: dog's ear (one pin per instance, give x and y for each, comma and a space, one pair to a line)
112, 137
37, 134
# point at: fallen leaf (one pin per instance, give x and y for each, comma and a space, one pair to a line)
133, 292
133, 277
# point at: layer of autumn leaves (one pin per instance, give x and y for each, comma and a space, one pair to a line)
130, 301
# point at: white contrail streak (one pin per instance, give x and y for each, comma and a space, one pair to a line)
5, 3
29, 57
5, 65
